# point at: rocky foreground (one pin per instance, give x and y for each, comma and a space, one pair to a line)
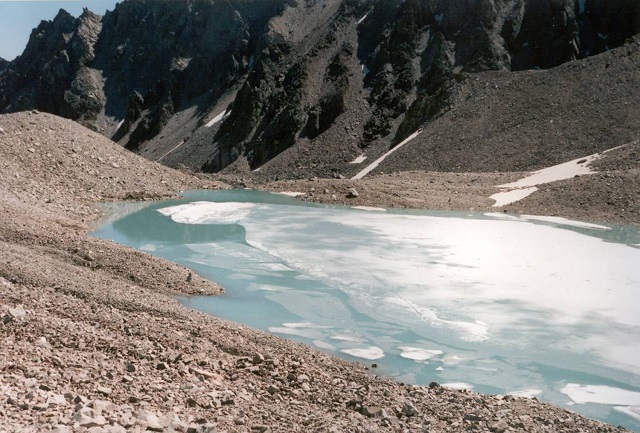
91, 341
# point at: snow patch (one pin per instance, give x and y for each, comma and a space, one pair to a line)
218, 118
507, 197
526, 186
291, 193
359, 159
361, 20
377, 162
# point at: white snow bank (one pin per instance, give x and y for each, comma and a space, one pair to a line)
291, 193
526, 186
567, 170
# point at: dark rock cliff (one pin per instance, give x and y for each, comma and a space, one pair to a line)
215, 85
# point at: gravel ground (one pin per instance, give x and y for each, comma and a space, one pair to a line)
92, 343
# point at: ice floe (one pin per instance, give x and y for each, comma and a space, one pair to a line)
457, 385
371, 352
418, 354
528, 393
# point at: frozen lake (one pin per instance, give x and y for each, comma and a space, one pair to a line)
495, 303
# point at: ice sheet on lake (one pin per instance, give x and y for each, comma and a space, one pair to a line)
369, 208
206, 212
601, 394
565, 222
632, 411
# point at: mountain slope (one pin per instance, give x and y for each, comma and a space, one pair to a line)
302, 88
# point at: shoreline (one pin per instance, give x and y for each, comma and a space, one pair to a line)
91, 339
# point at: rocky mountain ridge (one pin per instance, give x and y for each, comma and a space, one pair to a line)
300, 88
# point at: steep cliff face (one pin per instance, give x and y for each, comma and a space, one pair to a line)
215, 85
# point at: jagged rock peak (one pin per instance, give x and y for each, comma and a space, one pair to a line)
216, 84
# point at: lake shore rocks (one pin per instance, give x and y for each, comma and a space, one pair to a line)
92, 341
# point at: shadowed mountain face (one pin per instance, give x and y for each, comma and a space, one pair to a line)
302, 87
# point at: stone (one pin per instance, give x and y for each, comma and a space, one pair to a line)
101, 406
499, 426
87, 417
61, 429
409, 410
272, 389
257, 359
17, 312
202, 428
104, 390
162, 366
56, 400
115, 428
373, 411
130, 367
149, 420
352, 193
2, 130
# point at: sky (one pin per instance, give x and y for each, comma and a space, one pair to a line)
19, 17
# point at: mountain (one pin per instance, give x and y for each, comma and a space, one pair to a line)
295, 88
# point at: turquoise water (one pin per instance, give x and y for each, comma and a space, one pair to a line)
491, 302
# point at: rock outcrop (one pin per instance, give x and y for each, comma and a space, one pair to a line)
233, 85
